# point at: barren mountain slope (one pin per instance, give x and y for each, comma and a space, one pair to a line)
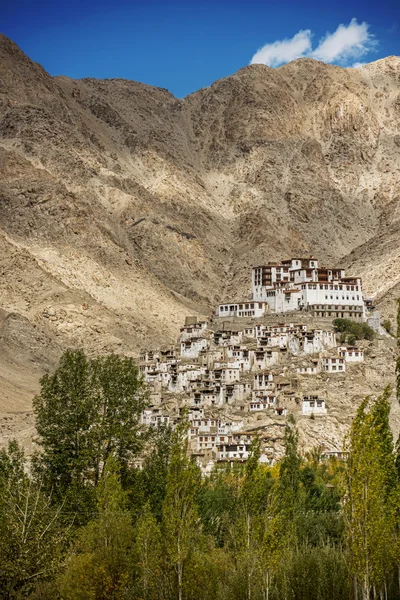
123, 209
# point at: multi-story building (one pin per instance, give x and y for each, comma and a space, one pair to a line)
351, 353
313, 405
300, 284
333, 364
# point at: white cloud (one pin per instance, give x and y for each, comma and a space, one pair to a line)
284, 51
347, 43
357, 65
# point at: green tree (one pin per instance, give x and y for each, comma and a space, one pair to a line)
181, 523
65, 411
32, 539
255, 529
208, 573
87, 410
398, 352
369, 509
100, 567
149, 557
246, 528
217, 502
387, 325
353, 330
315, 573
151, 480
290, 493
119, 399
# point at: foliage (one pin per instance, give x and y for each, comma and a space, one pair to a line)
148, 556
86, 411
181, 523
353, 330
398, 352
32, 539
387, 324
370, 481
290, 493
315, 573
148, 485
99, 566
86, 523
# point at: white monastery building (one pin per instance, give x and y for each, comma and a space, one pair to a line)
244, 309
351, 353
300, 284
333, 364
313, 405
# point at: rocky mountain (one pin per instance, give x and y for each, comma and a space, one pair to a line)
123, 208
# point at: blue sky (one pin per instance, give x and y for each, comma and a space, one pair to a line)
184, 46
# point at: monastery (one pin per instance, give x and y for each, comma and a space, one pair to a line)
235, 365
300, 284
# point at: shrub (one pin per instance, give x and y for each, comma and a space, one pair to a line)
353, 330
351, 339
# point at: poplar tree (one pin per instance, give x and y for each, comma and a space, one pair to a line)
272, 544
369, 509
148, 554
247, 528
398, 352
181, 524
289, 488
32, 538
100, 565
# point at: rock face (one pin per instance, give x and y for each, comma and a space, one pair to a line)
124, 209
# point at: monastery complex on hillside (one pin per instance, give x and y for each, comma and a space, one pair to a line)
244, 362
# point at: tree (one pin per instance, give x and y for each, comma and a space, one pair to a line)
32, 539
148, 555
387, 325
254, 531
119, 402
87, 410
100, 567
353, 330
65, 411
315, 573
398, 352
272, 543
246, 528
369, 510
290, 476
153, 476
218, 502
181, 524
